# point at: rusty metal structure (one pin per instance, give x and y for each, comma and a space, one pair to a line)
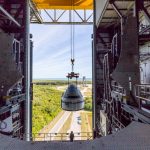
121, 61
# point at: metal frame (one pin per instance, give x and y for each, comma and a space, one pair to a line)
9, 16
118, 115
63, 17
15, 20
49, 137
27, 70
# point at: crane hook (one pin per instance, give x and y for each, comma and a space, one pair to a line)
72, 63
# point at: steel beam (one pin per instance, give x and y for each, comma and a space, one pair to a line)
94, 110
9, 16
35, 12
12, 29
146, 14
63, 23
145, 30
119, 14
135, 112
27, 70
117, 10
31, 80
55, 17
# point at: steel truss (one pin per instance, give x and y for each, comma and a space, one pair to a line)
65, 17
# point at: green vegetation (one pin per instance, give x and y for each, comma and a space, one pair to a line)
88, 104
90, 119
47, 102
46, 105
56, 82
50, 82
86, 125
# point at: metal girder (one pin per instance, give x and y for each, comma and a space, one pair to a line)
55, 16
146, 14
81, 17
136, 112
35, 12
116, 9
145, 29
121, 9
119, 14
144, 38
12, 29
9, 16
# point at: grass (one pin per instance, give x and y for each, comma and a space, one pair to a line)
46, 106
56, 82
48, 127
85, 126
90, 119
88, 104
40, 136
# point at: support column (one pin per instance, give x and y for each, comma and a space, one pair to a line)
93, 72
27, 69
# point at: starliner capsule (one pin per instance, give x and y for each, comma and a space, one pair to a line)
72, 99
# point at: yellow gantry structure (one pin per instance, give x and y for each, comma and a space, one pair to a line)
64, 4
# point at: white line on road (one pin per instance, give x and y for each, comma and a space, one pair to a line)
59, 124
75, 124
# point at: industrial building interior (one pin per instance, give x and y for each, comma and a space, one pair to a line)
121, 71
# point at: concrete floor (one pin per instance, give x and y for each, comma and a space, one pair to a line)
134, 137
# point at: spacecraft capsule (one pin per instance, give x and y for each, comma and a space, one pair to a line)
72, 99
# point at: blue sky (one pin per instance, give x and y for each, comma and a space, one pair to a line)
51, 54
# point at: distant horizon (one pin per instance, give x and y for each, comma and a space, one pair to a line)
59, 79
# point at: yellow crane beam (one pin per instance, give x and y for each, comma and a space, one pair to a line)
64, 4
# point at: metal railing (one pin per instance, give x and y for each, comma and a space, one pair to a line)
118, 89
142, 93
55, 136
117, 123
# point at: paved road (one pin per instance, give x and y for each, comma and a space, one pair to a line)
75, 126
84, 90
59, 124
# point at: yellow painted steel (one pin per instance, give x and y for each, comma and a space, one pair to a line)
64, 4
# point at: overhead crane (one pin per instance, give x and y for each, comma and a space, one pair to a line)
120, 59
60, 12
72, 99
64, 4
